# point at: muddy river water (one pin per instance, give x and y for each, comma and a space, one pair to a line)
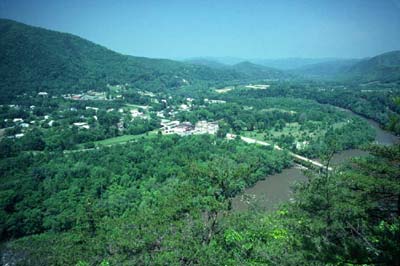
275, 189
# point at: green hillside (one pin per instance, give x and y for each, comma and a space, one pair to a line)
325, 70
384, 67
35, 59
257, 71
246, 69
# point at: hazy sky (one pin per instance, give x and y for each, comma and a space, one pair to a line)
247, 29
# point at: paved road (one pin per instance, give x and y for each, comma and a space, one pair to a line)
276, 147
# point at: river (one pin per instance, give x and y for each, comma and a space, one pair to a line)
275, 189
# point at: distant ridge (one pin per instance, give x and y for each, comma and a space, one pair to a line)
34, 59
381, 68
245, 68
384, 67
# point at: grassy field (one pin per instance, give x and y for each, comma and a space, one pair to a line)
119, 139
292, 128
123, 139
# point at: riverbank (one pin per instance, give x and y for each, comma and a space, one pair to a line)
268, 194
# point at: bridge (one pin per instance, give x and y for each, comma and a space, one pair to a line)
301, 159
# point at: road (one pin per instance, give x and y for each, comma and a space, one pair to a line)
276, 147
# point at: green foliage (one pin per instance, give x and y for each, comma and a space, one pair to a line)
62, 63
123, 205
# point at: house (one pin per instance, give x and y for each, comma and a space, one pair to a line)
18, 120
168, 126
204, 127
136, 113
186, 128
184, 107
92, 108
213, 101
182, 129
43, 93
76, 97
120, 125
301, 145
81, 125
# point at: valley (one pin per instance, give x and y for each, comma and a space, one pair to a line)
110, 159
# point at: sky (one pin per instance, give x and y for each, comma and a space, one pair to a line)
221, 28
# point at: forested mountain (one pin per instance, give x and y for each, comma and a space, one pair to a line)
246, 69
278, 63
383, 68
34, 59
224, 60
325, 70
206, 62
253, 70
292, 63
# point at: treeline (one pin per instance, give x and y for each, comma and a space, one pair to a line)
371, 102
167, 201
50, 192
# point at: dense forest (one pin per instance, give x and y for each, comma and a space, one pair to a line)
143, 203
375, 102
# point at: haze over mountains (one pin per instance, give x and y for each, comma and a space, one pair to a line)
384, 67
36, 59
278, 63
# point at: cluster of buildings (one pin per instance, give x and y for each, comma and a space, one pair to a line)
187, 128
135, 113
90, 95
257, 87
213, 101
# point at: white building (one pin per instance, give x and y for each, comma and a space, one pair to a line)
92, 108
184, 107
204, 127
82, 125
213, 101
135, 113
301, 145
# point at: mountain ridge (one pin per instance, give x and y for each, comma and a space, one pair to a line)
34, 59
